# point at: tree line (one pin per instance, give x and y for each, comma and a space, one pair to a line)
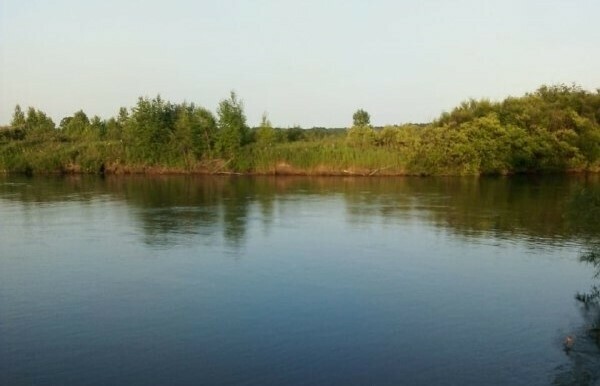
555, 128
552, 129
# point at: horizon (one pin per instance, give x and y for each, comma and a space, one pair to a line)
308, 64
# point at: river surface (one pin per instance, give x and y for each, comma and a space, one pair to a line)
296, 281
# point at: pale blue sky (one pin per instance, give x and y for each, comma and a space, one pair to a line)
311, 63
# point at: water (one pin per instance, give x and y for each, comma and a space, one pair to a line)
293, 281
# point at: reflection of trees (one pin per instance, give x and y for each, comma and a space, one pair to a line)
169, 209
46, 191
521, 206
50, 189
584, 207
177, 209
237, 197
172, 209
504, 207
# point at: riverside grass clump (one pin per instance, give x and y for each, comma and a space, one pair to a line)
554, 129
322, 158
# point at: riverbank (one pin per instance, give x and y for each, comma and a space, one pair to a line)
552, 130
302, 158
279, 169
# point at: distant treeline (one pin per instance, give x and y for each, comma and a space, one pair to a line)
554, 129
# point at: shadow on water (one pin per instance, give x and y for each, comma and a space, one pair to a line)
583, 345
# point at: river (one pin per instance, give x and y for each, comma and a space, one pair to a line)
295, 280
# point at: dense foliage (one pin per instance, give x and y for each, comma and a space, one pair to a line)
556, 128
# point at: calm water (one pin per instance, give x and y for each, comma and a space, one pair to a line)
290, 281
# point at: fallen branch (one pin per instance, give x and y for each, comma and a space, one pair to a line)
378, 170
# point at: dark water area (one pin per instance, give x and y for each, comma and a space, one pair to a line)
297, 281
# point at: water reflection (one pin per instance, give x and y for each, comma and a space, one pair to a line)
170, 211
541, 209
506, 208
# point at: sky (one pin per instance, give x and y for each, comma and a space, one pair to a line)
307, 63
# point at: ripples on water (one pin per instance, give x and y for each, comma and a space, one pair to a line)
183, 280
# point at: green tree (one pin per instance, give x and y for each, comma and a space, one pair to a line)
123, 115
182, 142
114, 126
18, 119
203, 131
97, 128
76, 125
233, 132
193, 133
361, 118
294, 134
361, 136
147, 132
38, 121
265, 134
